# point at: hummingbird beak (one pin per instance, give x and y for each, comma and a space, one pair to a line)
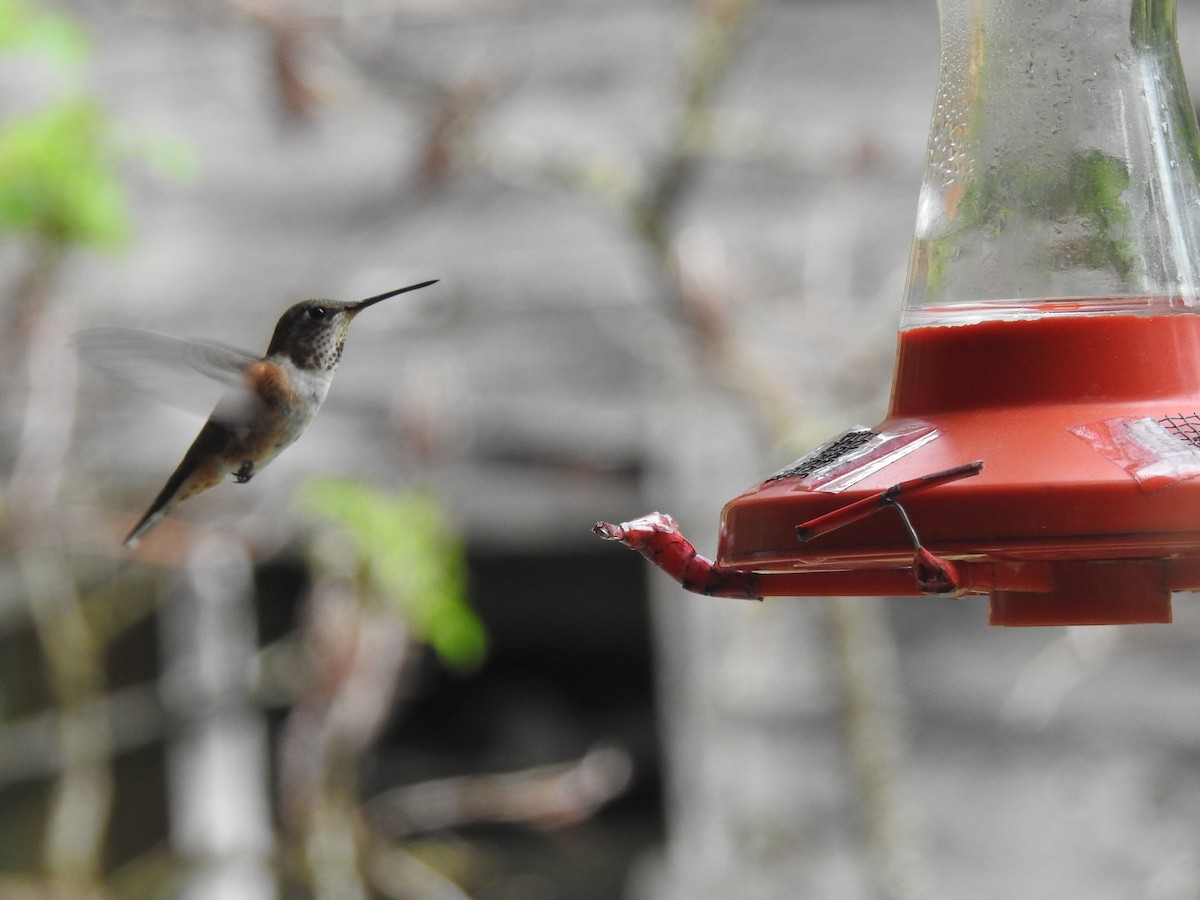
363, 304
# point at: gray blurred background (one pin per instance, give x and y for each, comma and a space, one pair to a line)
671, 239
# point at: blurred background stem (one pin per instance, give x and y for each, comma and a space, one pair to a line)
58, 192
862, 646
82, 795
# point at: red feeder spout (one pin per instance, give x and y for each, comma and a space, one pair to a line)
657, 537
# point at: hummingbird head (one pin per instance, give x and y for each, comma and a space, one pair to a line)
313, 332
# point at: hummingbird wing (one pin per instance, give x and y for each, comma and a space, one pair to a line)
165, 367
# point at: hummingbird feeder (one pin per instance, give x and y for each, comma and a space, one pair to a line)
1042, 445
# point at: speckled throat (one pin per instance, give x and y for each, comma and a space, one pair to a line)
316, 355
317, 348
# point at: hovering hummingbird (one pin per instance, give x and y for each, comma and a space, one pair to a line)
272, 401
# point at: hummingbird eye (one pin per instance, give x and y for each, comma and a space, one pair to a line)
317, 312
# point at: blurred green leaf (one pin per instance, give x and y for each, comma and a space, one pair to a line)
58, 176
53, 37
409, 558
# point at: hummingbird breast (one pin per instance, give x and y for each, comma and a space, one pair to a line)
287, 397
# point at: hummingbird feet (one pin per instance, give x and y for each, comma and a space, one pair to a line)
245, 473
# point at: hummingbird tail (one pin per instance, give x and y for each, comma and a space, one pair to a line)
199, 470
171, 494
148, 521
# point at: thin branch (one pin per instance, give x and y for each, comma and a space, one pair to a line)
717, 30
875, 736
82, 799
546, 797
29, 750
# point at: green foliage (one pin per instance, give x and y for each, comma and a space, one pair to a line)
52, 37
58, 179
58, 162
1098, 181
1085, 196
408, 559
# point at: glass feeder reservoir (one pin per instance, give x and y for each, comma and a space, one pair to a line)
1042, 444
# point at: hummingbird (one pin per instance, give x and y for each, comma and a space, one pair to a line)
271, 401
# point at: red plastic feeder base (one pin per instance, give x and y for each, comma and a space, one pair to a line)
1087, 508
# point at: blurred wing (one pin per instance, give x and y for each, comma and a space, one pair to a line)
169, 368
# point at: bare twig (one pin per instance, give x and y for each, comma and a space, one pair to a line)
355, 656
863, 646
398, 874
717, 29
865, 661
546, 797
29, 749
82, 799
